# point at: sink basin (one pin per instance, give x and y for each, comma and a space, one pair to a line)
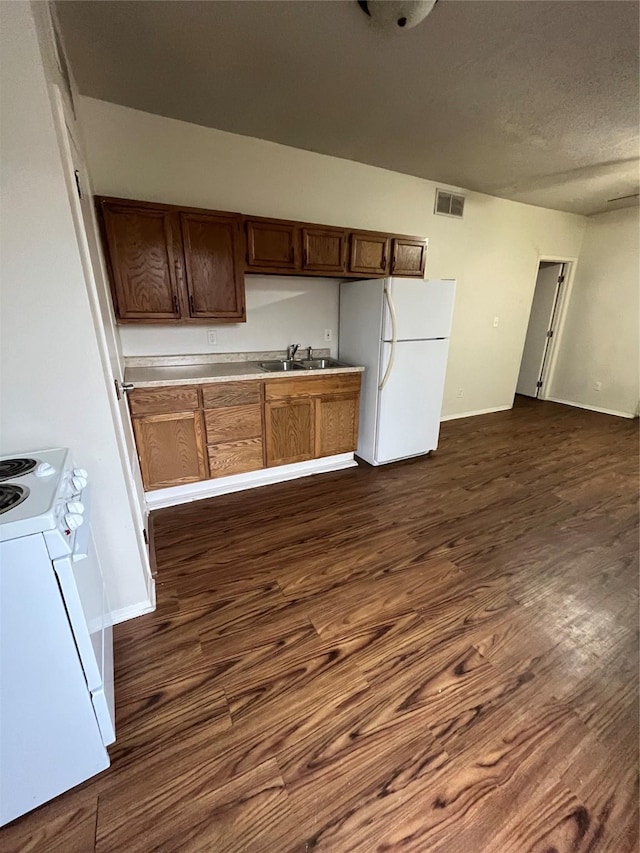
321, 363
281, 366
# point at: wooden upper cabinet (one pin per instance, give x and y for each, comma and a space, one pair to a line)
369, 254
170, 264
324, 249
212, 266
141, 253
408, 257
272, 245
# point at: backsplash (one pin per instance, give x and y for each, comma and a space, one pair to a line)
280, 311
215, 358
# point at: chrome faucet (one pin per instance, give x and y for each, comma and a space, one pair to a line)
292, 349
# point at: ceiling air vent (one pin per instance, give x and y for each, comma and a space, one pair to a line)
449, 204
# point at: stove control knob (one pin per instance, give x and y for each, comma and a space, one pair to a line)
76, 507
73, 520
80, 472
78, 483
44, 470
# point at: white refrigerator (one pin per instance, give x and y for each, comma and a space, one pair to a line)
398, 329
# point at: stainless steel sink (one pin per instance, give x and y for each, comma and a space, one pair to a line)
281, 366
322, 363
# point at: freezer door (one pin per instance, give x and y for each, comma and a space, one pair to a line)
424, 309
410, 402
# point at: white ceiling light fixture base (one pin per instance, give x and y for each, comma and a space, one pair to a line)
394, 15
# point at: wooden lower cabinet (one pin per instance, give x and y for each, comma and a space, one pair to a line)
189, 433
171, 449
289, 431
233, 422
336, 424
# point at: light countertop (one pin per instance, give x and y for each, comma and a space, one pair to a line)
160, 373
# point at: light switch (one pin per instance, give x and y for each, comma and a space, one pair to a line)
496, 320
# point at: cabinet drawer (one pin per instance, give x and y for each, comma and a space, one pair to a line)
235, 457
278, 389
233, 423
224, 394
151, 401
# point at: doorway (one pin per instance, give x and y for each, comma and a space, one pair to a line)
542, 329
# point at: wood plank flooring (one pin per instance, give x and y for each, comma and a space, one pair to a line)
438, 655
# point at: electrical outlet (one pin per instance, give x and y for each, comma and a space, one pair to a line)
328, 335
597, 386
460, 393
212, 337
496, 320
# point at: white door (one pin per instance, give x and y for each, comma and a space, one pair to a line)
423, 309
540, 324
410, 402
86, 231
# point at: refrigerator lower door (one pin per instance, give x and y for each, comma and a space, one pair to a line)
410, 403
423, 309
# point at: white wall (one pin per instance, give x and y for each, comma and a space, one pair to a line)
53, 385
600, 338
493, 252
281, 310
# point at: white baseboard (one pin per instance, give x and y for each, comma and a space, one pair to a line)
130, 612
590, 408
174, 495
473, 414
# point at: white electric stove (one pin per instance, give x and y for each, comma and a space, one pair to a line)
56, 654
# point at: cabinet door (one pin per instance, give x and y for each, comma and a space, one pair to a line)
213, 268
272, 245
408, 257
171, 449
369, 254
289, 431
141, 256
336, 424
323, 249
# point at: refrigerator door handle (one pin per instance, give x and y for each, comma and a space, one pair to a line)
394, 327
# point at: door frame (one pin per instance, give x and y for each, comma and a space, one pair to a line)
564, 298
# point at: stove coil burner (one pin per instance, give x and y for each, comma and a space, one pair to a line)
11, 496
12, 468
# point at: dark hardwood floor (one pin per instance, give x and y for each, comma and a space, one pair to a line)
437, 655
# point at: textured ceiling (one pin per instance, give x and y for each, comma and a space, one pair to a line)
529, 100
